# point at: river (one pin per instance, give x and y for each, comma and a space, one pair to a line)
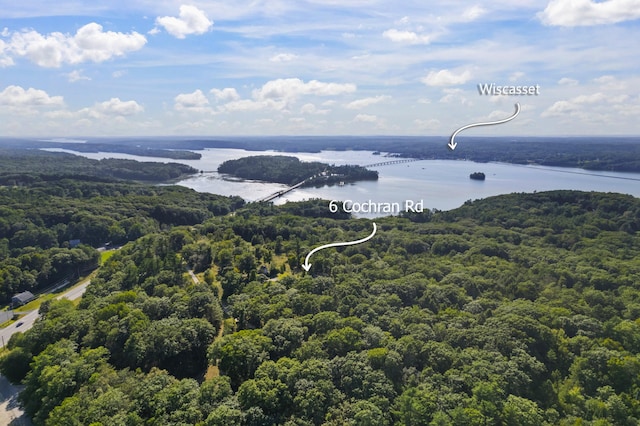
439, 184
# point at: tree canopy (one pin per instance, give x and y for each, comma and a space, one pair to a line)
520, 309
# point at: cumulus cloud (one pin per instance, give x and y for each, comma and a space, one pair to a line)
89, 44
473, 13
571, 13
291, 88
18, 97
226, 94
365, 118
455, 96
195, 102
115, 106
191, 20
76, 75
579, 103
310, 108
5, 59
446, 78
283, 57
609, 82
362, 103
254, 105
279, 95
407, 37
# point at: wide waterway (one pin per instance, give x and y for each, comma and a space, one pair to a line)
440, 184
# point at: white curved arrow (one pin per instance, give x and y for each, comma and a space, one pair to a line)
307, 265
452, 145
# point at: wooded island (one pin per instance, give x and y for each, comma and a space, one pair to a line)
291, 171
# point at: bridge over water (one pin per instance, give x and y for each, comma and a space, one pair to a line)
390, 162
280, 193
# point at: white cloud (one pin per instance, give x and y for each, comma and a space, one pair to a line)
116, 107
558, 108
497, 115
5, 59
499, 99
191, 20
446, 78
283, 57
609, 82
566, 81
516, 76
365, 118
589, 99
195, 102
408, 37
310, 108
76, 75
291, 88
253, 105
89, 44
455, 95
580, 103
16, 96
473, 13
118, 74
226, 94
570, 13
362, 103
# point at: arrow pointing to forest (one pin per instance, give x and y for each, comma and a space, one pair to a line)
452, 145
307, 265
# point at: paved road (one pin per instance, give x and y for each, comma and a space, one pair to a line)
10, 412
26, 322
74, 293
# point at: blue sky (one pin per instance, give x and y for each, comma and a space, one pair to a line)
319, 67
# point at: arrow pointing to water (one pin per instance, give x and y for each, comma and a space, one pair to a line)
307, 265
452, 145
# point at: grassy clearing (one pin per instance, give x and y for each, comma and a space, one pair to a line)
212, 371
34, 305
7, 323
105, 255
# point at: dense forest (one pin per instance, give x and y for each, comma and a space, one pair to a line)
291, 171
49, 229
23, 166
520, 309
